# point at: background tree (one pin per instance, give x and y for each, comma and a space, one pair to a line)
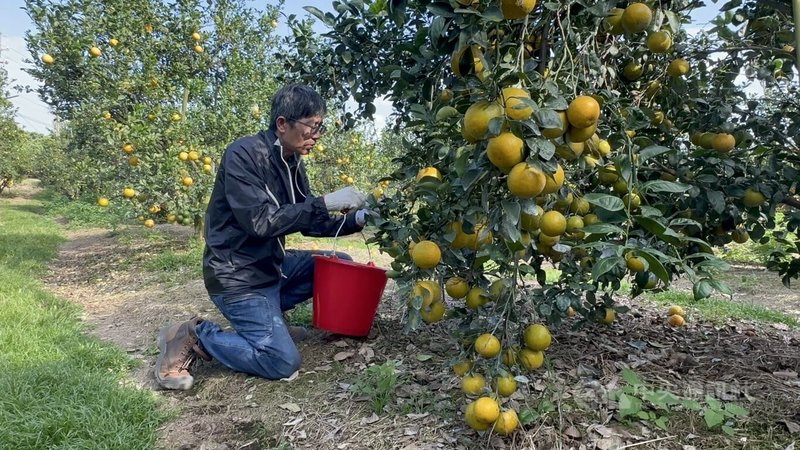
12, 161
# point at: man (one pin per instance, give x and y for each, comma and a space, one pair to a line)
261, 194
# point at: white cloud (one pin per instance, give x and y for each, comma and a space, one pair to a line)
32, 113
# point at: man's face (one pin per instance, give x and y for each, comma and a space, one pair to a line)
299, 136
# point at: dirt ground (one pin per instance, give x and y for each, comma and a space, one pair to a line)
754, 365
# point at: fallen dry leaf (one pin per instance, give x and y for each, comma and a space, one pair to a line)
793, 427
370, 420
293, 407
341, 356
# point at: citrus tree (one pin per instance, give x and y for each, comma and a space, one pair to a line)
12, 160
596, 138
152, 92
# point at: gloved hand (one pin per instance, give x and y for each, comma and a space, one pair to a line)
361, 216
344, 199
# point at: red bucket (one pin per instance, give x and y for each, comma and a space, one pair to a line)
346, 295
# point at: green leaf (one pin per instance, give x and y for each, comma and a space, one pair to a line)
542, 147
605, 201
655, 265
651, 151
717, 200
606, 265
728, 430
423, 357
548, 118
661, 422
512, 209
664, 186
702, 289
629, 405
528, 416
736, 410
631, 377
713, 417
602, 228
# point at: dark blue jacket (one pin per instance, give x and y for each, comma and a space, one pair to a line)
258, 198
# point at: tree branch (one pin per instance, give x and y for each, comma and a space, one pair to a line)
791, 201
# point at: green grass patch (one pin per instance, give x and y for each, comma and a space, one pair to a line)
302, 314
59, 388
180, 263
718, 309
84, 213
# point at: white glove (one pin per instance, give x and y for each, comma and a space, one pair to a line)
344, 199
361, 216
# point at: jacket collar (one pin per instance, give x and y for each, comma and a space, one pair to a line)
280, 165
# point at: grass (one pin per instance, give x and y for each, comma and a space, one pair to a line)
754, 252
59, 388
179, 264
83, 213
718, 310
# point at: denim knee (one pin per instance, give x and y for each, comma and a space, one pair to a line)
284, 363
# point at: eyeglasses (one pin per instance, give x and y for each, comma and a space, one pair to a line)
315, 129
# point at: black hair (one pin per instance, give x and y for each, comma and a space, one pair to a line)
296, 102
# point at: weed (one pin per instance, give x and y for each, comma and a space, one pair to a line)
378, 383
300, 315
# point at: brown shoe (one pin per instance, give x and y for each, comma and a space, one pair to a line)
179, 348
298, 333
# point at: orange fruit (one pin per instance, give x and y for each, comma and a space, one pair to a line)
433, 312
506, 422
462, 367
472, 421
477, 118
676, 321
487, 345
537, 337
636, 17
659, 41
753, 199
609, 317
429, 290
473, 384
678, 68
531, 359
554, 181
426, 254
486, 409
456, 287
526, 181
505, 385
429, 174
187, 181
553, 223
505, 150
723, 142
516, 9
103, 202
516, 108
676, 310
552, 133
583, 111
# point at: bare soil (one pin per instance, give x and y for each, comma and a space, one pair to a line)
751, 364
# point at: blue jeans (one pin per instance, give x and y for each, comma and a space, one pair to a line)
260, 344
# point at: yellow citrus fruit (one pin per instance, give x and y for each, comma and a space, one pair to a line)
196, 36
610, 316
579, 205
473, 384
48, 58
207, 168
486, 409
477, 118
553, 223
676, 310
95, 52
466, 59
537, 337
432, 313
429, 291
583, 111
554, 181
608, 175
149, 223
128, 148
590, 219
133, 161
187, 181
632, 71
516, 9
552, 133
581, 134
575, 223
676, 320
426, 254
706, 140
723, 142
193, 155
632, 200
102, 201
456, 287
531, 222
505, 385
155, 209
753, 199
636, 17
740, 235
548, 241
510, 356
506, 423
128, 193
652, 88
526, 181
613, 22
183, 156
531, 359
171, 218
678, 67
428, 174
462, 367
476, 297
505, 150
634, 263
113, 42
199, 48
446, 95
516, 108
207, 160
472, 421
659, 41
487, 345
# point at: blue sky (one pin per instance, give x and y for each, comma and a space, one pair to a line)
34, 115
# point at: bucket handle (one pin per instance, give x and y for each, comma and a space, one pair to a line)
336, 237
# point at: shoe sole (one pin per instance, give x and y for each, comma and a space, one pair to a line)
180, 384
